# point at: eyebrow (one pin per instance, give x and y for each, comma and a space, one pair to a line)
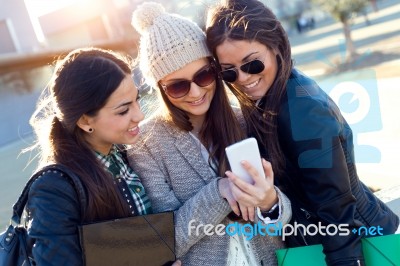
179, 79
243, 59
121, 105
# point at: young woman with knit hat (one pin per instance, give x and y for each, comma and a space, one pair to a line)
181, 154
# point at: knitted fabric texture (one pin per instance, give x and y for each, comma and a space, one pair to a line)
168, 42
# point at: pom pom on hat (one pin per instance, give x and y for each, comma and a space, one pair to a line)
145, 14
168, 42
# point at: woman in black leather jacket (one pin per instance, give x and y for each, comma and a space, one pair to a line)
90, 106
298, 127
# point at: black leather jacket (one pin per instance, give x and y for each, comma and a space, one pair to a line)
56, 206
54, 215
320, 175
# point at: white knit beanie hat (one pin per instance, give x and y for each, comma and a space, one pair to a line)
168, 41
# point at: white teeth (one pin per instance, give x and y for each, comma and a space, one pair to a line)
132, 129
195, 102
251, 85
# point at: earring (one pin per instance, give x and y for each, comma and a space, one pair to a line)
90, 130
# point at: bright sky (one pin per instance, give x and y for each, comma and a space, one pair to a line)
37, 8
40, 7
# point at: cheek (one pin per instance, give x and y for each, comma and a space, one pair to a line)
270, 71
213, 88
115, 124
174, 102
273, 65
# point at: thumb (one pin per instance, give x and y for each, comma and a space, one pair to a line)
269, 173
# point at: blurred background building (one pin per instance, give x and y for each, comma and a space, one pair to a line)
34, 32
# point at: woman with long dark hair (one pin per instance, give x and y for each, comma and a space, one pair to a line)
89, 108
298, 128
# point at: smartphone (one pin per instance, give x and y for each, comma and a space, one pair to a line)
246, 149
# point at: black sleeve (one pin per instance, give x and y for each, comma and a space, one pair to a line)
311, 130
54, 215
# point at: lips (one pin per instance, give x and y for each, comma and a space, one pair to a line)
252, 85
134, 130
199, 101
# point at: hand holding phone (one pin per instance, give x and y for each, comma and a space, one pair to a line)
244, 150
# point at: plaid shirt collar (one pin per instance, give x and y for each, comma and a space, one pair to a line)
116, 165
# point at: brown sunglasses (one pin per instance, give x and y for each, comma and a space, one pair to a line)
202, 78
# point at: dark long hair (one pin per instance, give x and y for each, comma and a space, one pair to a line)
251, 20
220, 128
81, 84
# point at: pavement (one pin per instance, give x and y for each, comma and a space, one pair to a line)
322, 48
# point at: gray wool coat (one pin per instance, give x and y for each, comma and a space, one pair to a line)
177, 178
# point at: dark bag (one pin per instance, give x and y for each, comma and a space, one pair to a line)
15, 247
140, 240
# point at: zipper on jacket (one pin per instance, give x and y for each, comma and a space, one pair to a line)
304, 239
302, 236
308, 215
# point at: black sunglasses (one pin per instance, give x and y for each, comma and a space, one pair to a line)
202, 78
253, 67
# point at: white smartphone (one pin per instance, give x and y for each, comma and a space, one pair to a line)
246, 149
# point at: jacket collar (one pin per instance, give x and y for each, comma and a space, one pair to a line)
189, 149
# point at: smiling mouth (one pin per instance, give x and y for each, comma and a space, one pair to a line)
133, 129
198, 101
252, 85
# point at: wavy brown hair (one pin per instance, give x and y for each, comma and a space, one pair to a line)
81, 84
251, 20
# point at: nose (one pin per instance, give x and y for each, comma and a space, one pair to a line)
137, 114
242, 76
195, 90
